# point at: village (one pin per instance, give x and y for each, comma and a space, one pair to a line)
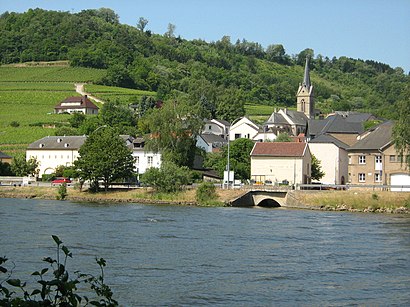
349, 154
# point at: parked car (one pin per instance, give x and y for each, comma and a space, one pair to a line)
60, 181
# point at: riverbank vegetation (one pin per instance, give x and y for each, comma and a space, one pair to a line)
356, 200
121, 195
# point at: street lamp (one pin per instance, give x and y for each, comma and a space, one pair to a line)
229, 139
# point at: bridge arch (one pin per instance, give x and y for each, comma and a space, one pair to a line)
268, 203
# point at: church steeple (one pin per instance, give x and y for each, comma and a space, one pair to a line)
305, 97
306, 77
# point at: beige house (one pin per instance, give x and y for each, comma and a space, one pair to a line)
333, 158
373, 160
53, 151
278, 162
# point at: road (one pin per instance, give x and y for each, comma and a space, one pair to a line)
79, 88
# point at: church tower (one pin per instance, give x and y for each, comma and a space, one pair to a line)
305, 97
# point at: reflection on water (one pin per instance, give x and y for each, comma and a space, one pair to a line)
168, 255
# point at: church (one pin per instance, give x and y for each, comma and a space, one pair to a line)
295, 122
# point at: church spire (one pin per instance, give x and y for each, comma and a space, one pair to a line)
306, 78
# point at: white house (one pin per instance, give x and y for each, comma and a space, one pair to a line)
76, 105
333, 157
216, 127
53, 151
243, 128
144, 159
278, 162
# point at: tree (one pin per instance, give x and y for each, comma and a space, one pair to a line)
142, 23
283, 137
104, 156
117, 116
77, 119
173, 130
171, 31
316, 169
22, 167
239, 158
401, 130
169, 178
5, 169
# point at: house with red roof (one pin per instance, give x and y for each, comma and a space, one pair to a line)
281, 162
76, 105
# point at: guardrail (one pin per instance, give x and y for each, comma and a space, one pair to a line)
374, 187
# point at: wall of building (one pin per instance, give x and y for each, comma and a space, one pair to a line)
277, 169
142, 160
50, 159
333, 160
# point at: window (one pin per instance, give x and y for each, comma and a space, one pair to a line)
237, 136
150, 161
362, 177
377, 177
362, 159
209, 127
137, 160
378, 159
392, 158
350, 159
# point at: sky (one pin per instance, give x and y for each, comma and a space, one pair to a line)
376, 30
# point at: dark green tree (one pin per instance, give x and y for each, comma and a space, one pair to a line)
22, 167
401, 130
240, 159
169, 178
316, 169
173, 130
77, 119
5, 169
104, 156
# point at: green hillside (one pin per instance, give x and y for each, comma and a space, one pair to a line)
27, 99
121, 63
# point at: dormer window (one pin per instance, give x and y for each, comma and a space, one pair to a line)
41, 145
59, 140
66, 145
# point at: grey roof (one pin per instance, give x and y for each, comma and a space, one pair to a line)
213, 139
378, 137
58, 142
326, 138
355, 117
4, 156
334, 124
276, 118
306, 77
299, 118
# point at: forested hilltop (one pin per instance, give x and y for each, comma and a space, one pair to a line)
221, 76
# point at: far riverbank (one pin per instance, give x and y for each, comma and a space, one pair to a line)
351, 200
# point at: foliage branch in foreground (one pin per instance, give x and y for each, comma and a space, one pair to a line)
57, 289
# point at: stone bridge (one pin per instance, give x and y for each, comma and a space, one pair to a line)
262, 198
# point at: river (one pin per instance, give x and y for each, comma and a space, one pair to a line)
190, 256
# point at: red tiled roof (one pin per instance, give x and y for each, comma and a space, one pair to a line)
279, 149
85, 103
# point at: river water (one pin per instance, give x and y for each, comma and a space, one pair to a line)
190, 256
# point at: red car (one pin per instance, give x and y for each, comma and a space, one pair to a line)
60, 181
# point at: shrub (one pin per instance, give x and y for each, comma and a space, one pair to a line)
169, 178
206, 192
59, 289
62, 191
14, 124
375, 196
